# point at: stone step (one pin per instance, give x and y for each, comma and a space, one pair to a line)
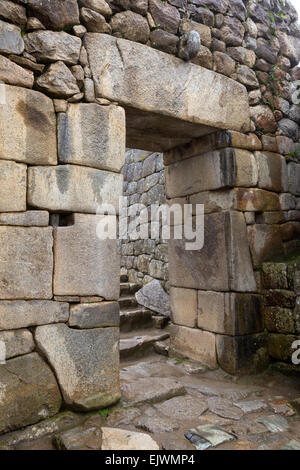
135, 319
128, 288
128, 302
140, 345
124, 278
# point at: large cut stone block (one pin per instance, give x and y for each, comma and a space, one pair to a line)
272, 171
265, 243
224, 262
17, 342
26, 263
73, 188
15, 314
193, 344
242, 354
85, 265
184, 306
151, 81
229, 313
86, 363
95, 315
92, 135
25, 219
13, 177
27, 127
29, 392
210, 171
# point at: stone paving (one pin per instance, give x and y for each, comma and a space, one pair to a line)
165, 398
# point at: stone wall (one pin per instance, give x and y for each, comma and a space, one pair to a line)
281, 284
144, 183
71, 71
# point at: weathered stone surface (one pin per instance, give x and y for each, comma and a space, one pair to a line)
55, 14
294, 178
17, 342
92, 135
280, 298
279, 320
187, 407
204, 58
17, 314
215, 201
290, 47
225, 258
183, 306
165, 15
13, 12
164, 41
80, 438
160, 94
224, 408
12, 74
242, 55
189, 45
272, 171
223, 63
95, 315
256, 200
274, 275
86, 363
25, 219
263, 118
232, 31
13, 181
242, 354
29, 392
27, 127
265, 243
151, 390
156, 424
73, 188
120, 439
26, 263
100, 6
94, 22
84, 264
154, 297
58, 81
193, 344
130, 25
11, 41
50, 46
229, 314
280, 346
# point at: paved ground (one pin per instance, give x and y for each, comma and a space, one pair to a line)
165, 398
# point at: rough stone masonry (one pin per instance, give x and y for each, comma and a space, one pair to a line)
83, 79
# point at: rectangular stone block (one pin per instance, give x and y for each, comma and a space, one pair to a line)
193, 344
26, 263
85, 265
294, 178
272, 171
242, 355
17, 342
131, 74
13, 178
73, 188
223, 263
214, 201
17, 314
279, 320
265, 243
230, 313
92, 135
183, 306
27, 127
29, 392
213, 170
86, 364
95, 315
25, 219
256, 200
280, 346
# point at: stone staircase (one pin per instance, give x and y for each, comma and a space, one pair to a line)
142, 331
